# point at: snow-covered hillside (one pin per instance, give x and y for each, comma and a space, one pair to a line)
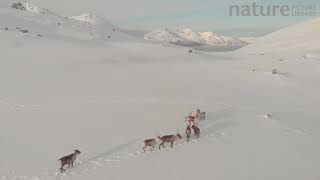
302, 38
187, 37
61, 91
47, 23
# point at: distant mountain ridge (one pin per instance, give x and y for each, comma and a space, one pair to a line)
43, 21
188, 37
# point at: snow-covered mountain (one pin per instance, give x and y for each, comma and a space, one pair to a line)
300, 38
187, 37
48, 23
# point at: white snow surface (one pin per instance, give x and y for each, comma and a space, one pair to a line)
89, 18
64, 90
299, 39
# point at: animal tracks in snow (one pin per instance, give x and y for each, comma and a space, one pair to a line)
115, 155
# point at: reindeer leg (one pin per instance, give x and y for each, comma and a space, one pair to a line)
153, 148
61, 169
171, 144
161, 144
144, 149
72, 164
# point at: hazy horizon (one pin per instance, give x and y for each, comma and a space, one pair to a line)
203, 15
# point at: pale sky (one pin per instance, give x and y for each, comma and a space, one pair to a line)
196, 14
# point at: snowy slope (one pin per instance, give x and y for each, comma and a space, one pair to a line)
300, 38
45, 22
187, 37
61, 92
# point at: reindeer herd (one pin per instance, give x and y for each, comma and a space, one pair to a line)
191, 122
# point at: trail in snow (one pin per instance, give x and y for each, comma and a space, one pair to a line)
117, 154
210, 130
129, 150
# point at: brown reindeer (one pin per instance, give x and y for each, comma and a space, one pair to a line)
196, 131
168, 138
149, 142
188, 133
68, 159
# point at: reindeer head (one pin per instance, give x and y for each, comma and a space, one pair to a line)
179, 136
77, 152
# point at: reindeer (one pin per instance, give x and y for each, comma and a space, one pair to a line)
68, 159
203, 116
191, 121
188, 133
149, 142
198, 111
196, 114
168, 138
193, 118
196, 131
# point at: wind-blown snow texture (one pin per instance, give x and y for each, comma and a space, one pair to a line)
65, 85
